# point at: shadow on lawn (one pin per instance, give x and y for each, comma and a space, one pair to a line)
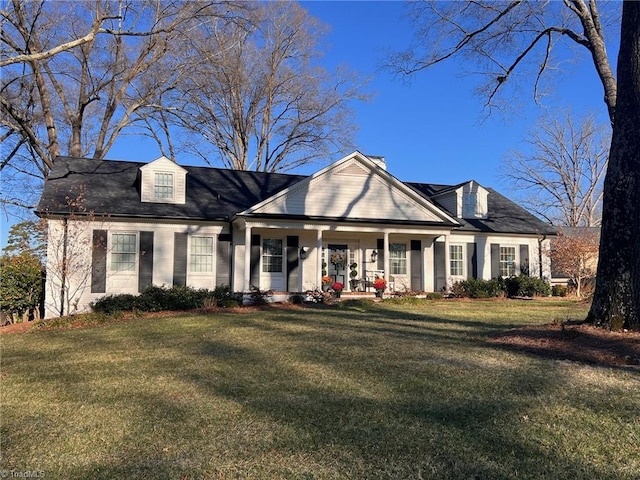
333, 393
408, 414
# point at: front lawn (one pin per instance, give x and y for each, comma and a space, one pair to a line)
357, 391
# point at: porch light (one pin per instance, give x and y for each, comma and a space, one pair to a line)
374, 256
303, 253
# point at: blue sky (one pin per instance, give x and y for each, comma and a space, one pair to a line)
432, 128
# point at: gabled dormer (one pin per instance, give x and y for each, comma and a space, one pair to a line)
467, 200
163, 181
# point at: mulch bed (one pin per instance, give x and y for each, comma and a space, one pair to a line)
574, 342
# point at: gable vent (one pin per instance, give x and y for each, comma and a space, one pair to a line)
353, 169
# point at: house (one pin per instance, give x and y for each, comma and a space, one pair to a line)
117, 227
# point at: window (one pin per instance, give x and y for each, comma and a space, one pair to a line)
398, 258
507, 261
469, 205
201, 258
123, 252
163, 185
272, 255
456, 260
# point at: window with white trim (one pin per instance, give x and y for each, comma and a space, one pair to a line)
163, 185
123, 252
272, 255
398, 258
507, 261
201, 254
456, 260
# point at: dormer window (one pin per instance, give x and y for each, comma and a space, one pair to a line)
163, 186
163, 181
469, 205
474, 201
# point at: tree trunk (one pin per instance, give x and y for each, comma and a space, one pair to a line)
616, 302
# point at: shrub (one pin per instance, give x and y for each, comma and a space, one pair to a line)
524, 286
258, 297
559, 290
477, 288
434, 296
156, 299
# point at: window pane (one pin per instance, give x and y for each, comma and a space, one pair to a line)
398, 258
123, 252
272, 255
507, 261
163, 186
201, 254
456, 260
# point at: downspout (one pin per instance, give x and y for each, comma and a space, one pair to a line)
63, 273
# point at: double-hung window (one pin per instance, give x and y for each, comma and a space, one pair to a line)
163, 185
272, 255
456, 260
201, 257
507, 261
123, 252
398, 258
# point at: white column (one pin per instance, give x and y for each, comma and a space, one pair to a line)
247, 258
447, 262
386, 256
427, 265
319, 258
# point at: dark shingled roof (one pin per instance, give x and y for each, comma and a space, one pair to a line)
107, 187
112, 188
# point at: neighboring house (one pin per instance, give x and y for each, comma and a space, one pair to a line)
124, 226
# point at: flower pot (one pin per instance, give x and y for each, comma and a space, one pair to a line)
337, 293
379, 293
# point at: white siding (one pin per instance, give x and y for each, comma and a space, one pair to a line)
78, 285
350, 196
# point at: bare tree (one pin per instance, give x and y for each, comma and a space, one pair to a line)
505, 39
508, 43
563, 170
73, 93
256, 96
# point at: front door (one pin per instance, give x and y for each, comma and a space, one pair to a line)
338, 260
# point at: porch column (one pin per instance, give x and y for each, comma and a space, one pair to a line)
447, 262
427, 265
247, 258
319, 258
386, 256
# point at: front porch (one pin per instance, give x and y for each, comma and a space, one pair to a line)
301, 258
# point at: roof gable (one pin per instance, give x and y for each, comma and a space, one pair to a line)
354, 187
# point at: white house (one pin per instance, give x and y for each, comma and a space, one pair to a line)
117, 227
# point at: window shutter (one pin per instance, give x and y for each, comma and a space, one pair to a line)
145, 262
380, 258
524, 259
472, 260
255, 260
416, 264
180, 242
495, 260
292, 262
439, 265
223, 259
99, 262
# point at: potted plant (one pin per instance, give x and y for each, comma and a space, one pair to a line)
337, 289
353, 274
326, 282
379, 284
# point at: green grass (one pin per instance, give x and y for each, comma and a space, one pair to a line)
389, 390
